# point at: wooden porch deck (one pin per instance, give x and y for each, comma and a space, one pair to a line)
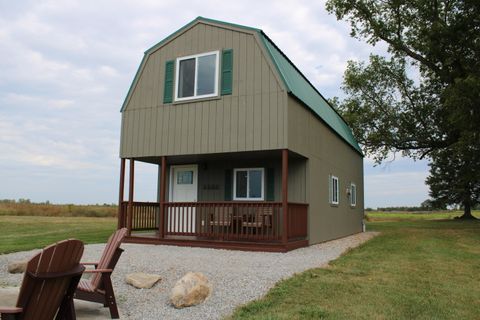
242, 225
239, 225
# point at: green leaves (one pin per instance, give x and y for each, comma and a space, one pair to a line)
423, 100
388, 111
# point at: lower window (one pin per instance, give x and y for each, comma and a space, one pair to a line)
353, 195
248, 184
333, 190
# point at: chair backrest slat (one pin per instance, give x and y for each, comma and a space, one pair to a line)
113, 244
40, 299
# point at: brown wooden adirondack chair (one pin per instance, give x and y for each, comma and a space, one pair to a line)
48, 284
99, 287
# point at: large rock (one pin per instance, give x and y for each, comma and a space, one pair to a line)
142, 280
190, 290
17, 266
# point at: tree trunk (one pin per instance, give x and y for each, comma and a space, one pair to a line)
467, 211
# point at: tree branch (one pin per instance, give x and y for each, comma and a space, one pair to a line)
399, 46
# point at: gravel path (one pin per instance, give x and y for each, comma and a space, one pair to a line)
237, 276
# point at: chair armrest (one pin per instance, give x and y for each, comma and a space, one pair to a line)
99, 271
76, 271
12, 310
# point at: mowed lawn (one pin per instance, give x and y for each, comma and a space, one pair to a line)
19, 233
416, 269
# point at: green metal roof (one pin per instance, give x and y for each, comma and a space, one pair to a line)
295, 82
299, 86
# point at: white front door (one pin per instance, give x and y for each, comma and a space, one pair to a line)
183, 188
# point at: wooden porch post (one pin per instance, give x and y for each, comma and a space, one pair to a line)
130, 197
121, 214
285, 195
163, 180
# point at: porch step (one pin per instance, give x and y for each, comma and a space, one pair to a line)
232, 245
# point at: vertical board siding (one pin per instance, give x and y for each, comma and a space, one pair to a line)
327, 155
253, 117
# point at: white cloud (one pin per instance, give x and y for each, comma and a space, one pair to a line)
24, 100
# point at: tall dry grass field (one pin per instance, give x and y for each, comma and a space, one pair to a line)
12, 208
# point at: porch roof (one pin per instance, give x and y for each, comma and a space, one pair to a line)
267, 155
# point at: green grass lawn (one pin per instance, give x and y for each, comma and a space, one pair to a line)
19, 233
436, 215
416, 269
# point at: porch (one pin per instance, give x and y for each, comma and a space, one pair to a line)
269, 222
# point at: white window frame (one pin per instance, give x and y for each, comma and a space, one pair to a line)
332, 190
353, 195
177, 76
248, 184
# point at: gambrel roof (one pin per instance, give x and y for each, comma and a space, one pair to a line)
295, 82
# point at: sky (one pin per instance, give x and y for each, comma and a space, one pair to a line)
66, 66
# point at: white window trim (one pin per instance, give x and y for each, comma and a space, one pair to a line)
177, 73
248, 185
332, 178
353, 196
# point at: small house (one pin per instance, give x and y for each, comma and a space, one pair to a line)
250, 155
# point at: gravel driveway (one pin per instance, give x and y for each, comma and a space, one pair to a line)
237, 276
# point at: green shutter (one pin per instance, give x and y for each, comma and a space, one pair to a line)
270, 184
228, 185
227, 66
168, 85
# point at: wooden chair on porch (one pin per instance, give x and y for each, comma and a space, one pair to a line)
99, 287
221, 217
48, 284
260, 217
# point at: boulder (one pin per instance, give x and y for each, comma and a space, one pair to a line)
17, 266
191, 289
142, 280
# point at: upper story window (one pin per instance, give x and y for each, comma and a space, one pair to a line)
197, 76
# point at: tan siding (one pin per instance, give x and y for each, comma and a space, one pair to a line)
131, 133
123, 130
158, 128
240, 66
296, 180
146, 130
234, 124
249, 135
219, 124
273, 127
191, 128
257, 121
227, 123
265, 121
327, 155
241, 134
252, 118
212, 125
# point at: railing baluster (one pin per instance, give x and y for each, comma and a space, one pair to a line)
229, 220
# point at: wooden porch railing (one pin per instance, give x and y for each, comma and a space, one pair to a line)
225, 220
229, 220
144, 217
